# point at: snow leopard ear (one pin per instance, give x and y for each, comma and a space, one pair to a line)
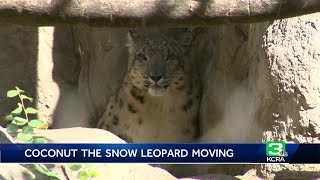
133, 37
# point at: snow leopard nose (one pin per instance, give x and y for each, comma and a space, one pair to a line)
155, 78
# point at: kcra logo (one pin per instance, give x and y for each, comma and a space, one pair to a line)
276, 151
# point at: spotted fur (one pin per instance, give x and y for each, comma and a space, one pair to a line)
157, 101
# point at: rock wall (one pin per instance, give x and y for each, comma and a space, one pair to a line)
293, 54
260, 84
259, 81
18, 63
103, 56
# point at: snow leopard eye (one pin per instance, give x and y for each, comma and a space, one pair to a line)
141, 57
170, 58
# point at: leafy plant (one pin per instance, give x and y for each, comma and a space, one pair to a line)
43, 169
85, 171
27, 125
16, 121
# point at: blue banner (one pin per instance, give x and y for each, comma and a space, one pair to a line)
272, 152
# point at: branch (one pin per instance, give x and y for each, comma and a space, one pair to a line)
131, 13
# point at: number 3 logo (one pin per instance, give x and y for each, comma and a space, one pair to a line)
274, 148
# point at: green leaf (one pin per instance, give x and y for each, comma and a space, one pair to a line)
19, 121
52, 174
89, 165
48, 173
24, 137
82, 175
74, 167
40, 140
27, 130
12, 93
40, 168
26, 97
9, 117
19, 90
31, 110
17, 111
12, 127
93, 173
36, 123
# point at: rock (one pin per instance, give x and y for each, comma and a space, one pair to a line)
78, 135
211, 176
85, 135
15, 172
18, 63
292, 54
261, 83
5, 137
250, 175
